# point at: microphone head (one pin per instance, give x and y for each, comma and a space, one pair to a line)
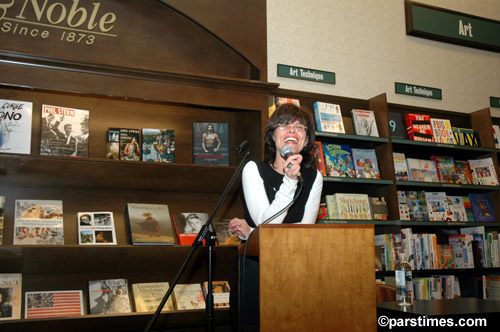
286, 151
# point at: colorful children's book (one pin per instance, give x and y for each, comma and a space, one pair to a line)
456, 207
338, 160
442, 131
328, 117
417, 205
422, 170
482, 207
400, 167
365, 163
464, 173
446, 170
437, 206
483, 172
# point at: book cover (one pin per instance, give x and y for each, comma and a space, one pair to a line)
404, 210
96, 228
417, 205
38, 222
148, 295
188, 225
482, 207
446, 170
188, 296
378, 206
437, 206
328, 117
422, 170
456, 207
496, 135
15, 126
53, 304
158, 145
442, 131
285, 100
10, 295
331, 207
466, 136
479, 244
468, 208
2, 216
419, 127
447, 257
224, 236
483, 171
352, 206
338, 160
210, 143
396, 125
113, 144
109, 296
149, 224
64, 131
364, 122
130, 144
365, 163
220, 291
400, 167
464, 172
319, 159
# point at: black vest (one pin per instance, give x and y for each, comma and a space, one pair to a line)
272, 182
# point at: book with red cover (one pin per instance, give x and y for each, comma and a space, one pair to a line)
419, 127
188, 225
446, 170
319, 159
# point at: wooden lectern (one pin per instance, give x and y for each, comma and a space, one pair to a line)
316, 277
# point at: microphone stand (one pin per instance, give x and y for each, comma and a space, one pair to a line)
210, 238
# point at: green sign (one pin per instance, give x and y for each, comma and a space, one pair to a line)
419, 91
306, 74
495, 102
452, 27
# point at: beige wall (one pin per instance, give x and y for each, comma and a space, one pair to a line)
364, 43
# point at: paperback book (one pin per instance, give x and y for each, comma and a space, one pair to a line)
422, 170
113, 144
148, 295
328, 117
446, 170
396, 125
10, 295
96, 228
364, 122
158, 145
482, 207
109, 296
220, 291
400, 167
224, 236
188, 296
483, 172
188, 225
338, 160
442, 131
15, 126
464, 173
130, 144
319, 159
456, 207
64, 131
419, 127
437, 206
365, 163
404, 210
210, 143
38, 222
149, 224
53, 304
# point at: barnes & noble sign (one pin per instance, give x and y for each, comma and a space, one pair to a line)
66, 21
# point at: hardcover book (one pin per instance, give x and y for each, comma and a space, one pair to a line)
64, 131
158, 145
466, 136
365, 163
220, 291
109, 296
224, 236
15, 126
38, 222
464, 173
442, 131
400, 167
417, 205
456, 207
396, 125
437, 206
338, 160
188, 225
482, 207
130, 144
2, 216
188, 296
328, 117
419, 127
319, 159
404, 210
210, 143
422, 170
378, 206
468, 208
483, 172
10, 295
53, 304
149, 224
446, 170
96, 228
113, 144
148, 295
348, 206
364, 122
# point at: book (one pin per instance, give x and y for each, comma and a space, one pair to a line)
38, 222
365, 163
446, 170
483, 171
378, 206
220, 291
437, 206
224, 236
348, 206
10, 293
338, 160
364, 122
328, 117
64, 131
319, 159
2, 217
188, 296
400, 167
96, 228
158, 145
149, 224
482, 207
496, 135
404, 210
422, 170
480, 247
210, 143
148, 295
130, 144
466, 136
456, 207
322, 212
39, 304
113, 144
15, 126
468, 208
418, 127
442, 131
109, 296
464, 172
285, 100
417, 205
396, 126
188, 225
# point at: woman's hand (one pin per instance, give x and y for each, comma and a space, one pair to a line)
294, 169
239, 227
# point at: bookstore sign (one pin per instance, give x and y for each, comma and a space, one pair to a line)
419, 91
452, 27
306, 74
495, 102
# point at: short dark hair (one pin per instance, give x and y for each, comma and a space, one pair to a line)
285, 114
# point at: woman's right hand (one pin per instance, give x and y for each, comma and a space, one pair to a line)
239, 227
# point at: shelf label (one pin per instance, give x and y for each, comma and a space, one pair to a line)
495, 102
306, 74
418, 91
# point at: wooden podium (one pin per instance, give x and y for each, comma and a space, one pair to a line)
315, 277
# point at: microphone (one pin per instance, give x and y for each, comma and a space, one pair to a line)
286, 152
243, 147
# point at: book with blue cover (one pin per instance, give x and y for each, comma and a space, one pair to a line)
482, 207
328, 117
338, 160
